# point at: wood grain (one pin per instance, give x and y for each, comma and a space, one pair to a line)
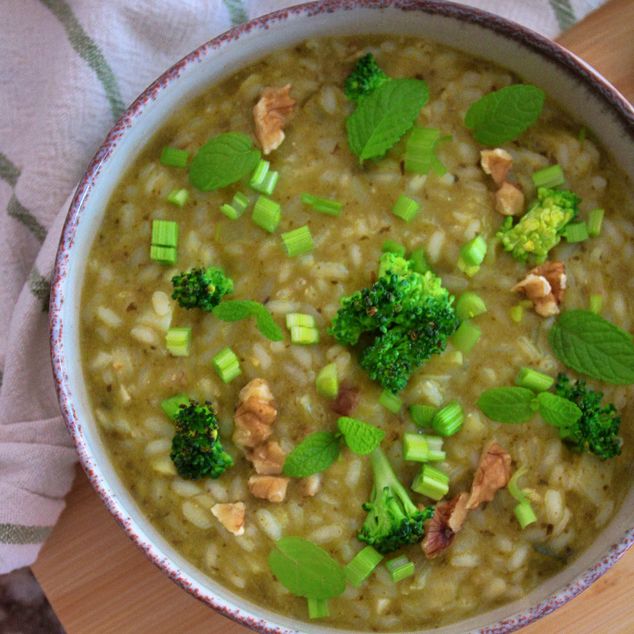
99, 583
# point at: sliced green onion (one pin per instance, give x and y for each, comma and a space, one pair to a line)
173, 157
595, 220
422, 414
421, 448
327, 382
266, 214
405, 208
299, 319
323, 205
227, 365
391, 246
596, 303
472, 255
164, 233
534, 380
298, 241
164, 255
400, 568
171, 405
551, 176
470, 305
318, 608
237, 207
420, 151
576, 232
431, 482
304, 335
360, 567
178, 341
523, 510
517, 313
419, 261
448, 420
178, 197
466, 336
264, 180
390, 401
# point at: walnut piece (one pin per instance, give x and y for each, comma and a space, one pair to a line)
271, 113
268, 487
544, 286
509, 200
492, 474
440, 530
497, 163
231, 516
255, 414
268, 459
347, 399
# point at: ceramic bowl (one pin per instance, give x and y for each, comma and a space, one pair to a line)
578, 88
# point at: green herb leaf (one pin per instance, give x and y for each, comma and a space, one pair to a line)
558, 411
384, 116
223, 160
306, 570
360, 437
314, 454
238, 309
507, 404
503, 115
589, 344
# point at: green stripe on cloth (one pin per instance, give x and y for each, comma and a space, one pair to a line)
18, 534
18, 211
8, 171
40, 287
237, 12
88, 51
564, 13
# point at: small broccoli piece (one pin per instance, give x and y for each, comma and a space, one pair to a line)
407, 315
393, 519
196, 448
598, 428
540, 228
365, 78
201, 288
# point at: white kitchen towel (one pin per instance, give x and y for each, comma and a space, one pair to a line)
68, 68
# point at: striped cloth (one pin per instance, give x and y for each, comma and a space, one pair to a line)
67, 70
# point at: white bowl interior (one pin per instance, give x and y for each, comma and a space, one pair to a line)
583, 104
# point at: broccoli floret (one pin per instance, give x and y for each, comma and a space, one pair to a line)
407, 315
393, 519
365, 78
201, 288
598, 428
196, 448
540, 228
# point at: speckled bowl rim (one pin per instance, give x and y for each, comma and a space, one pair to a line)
546, 48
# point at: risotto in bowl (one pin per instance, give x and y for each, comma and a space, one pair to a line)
341, 321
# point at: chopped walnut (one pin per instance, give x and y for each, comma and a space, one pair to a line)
544, 286
271, 113
268, 459
231, 516
509, 200
440, 530
255, 414
492, 474
310, 486
268, 487
497, 163
347, 399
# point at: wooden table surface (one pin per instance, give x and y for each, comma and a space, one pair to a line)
98, 582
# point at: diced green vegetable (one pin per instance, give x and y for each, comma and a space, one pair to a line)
422, 415
298, 241
390, 401
164, 255
419, 261
237, 207
517, 313
266, 214
421, 448
173, 157
227, 365
448, 420
523, 510
400, 568
327, 382
323, 205
164, 233
576, 232
596, 303
361, 566
534, 380
472, 255
595, 220
172, 405
431, 482
551, 176
299, 319
178, 341
405, 208
391, 246
178, 197
304, 335
263, 179
466, 336
470, 305
318, 608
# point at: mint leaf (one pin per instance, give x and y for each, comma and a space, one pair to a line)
223, 160
314, 454
507, 404
503, 115
558, 411
306, 570
360, 437
384, 116
589, 344
238, 309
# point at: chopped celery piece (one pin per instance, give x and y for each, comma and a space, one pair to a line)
230, 211
327, 382
318, 608
304, 335
299, 319
448, 420
415, 448
171, 405
178, 341
422, 414
400, 568
173, 157
323, 205
298, 241
431, 482
164, 233
466, 336
576, 232
551, 176
595, 220
419, 261
517, 313
266, 214
237, 207
227, 365
361, 566
470, 305
259, 173
391, 246
525, 514
405, 208
390, 401
596, 303
523, 510
178, 197
164, 255
534, 380
472, 255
